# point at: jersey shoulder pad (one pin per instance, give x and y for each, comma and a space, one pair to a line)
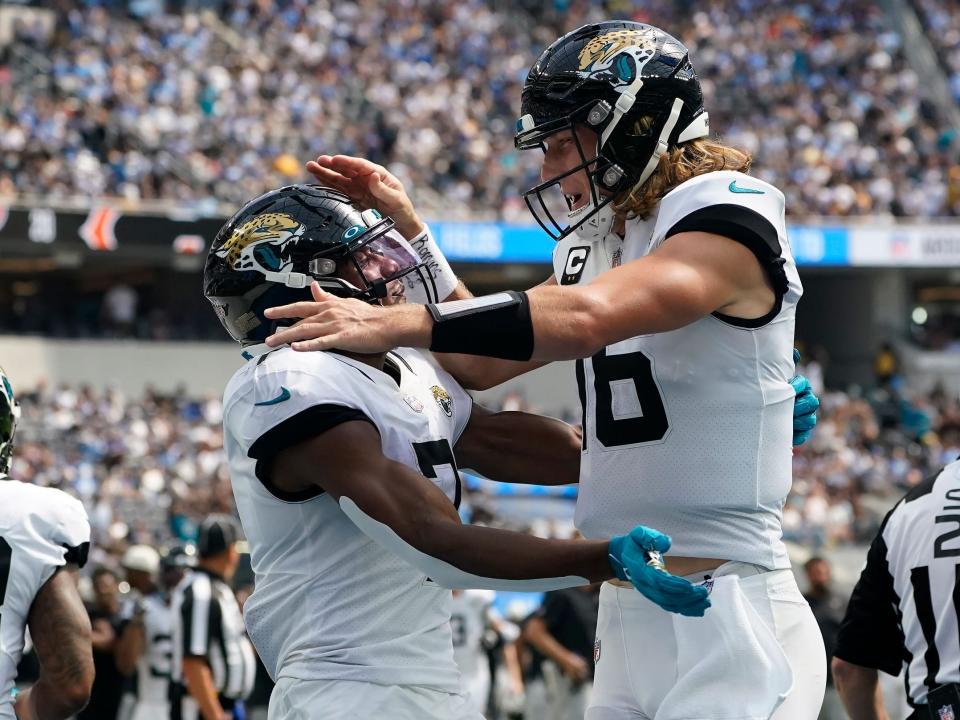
450, 396
55, 523
287, 385
730, 194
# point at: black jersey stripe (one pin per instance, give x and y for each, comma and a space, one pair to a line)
920, 580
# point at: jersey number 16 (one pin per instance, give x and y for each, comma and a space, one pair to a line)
649, 425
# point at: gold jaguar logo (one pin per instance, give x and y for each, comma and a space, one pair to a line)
604, 47
443, 399
269, 226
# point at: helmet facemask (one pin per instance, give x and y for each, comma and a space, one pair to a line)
9, 416
592, 220
632, 85
376, 267
275, 246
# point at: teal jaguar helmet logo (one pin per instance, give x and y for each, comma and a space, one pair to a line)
262, 243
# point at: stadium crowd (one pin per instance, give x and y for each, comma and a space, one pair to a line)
225, 103
941, 22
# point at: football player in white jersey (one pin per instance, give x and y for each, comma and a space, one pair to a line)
145, 646
343, 467
675, 287
469, 620
44, 538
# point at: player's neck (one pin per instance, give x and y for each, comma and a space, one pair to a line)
374, 360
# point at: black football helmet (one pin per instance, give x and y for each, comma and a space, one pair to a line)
277, 244
634, 86
9, 416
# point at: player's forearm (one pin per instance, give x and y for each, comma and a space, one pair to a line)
537, 635
482, 373
130, 647
200, 685
494, 553
859, 690
520, 447
48, 700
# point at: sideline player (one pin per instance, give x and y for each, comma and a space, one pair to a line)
470, 616
675, 287
330, 452
145, 646
44, 538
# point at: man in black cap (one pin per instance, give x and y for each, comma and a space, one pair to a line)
213, 661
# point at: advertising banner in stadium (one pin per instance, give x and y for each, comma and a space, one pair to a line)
104, 228
499, 242
110, 229
905, 245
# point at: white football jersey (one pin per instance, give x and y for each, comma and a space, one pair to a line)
153, 667
469, 614
329, 603
690, 431
41, 529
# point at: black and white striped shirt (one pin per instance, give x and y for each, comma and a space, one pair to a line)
208, 624
903, 613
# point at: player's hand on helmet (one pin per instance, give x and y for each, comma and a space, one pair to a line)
804, 406
631, 557
370, 186
331, 322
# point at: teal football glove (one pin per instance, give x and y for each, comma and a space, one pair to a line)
635, 557
805, 406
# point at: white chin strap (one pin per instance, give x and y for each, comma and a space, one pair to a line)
663, 142
600, 225
595, 228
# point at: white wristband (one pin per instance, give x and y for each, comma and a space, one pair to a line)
444, 279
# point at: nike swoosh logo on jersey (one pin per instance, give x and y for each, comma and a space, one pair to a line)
735, 189
284, 395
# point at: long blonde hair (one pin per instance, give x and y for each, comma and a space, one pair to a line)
686, 161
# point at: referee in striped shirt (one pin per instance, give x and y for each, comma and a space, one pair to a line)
904, 611
213, 662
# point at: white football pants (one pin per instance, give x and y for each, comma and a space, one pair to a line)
757, 654
295, 699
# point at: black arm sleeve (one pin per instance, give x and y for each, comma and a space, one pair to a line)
751, 229
870, 634
294, 430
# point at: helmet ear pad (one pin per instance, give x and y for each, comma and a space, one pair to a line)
631, 144
276, 295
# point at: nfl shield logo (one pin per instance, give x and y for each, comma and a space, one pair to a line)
946, 713
596, 655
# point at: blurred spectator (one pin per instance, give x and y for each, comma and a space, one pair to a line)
105, 619
562, 633
120, 310
828, 608
886, 364
941, 20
